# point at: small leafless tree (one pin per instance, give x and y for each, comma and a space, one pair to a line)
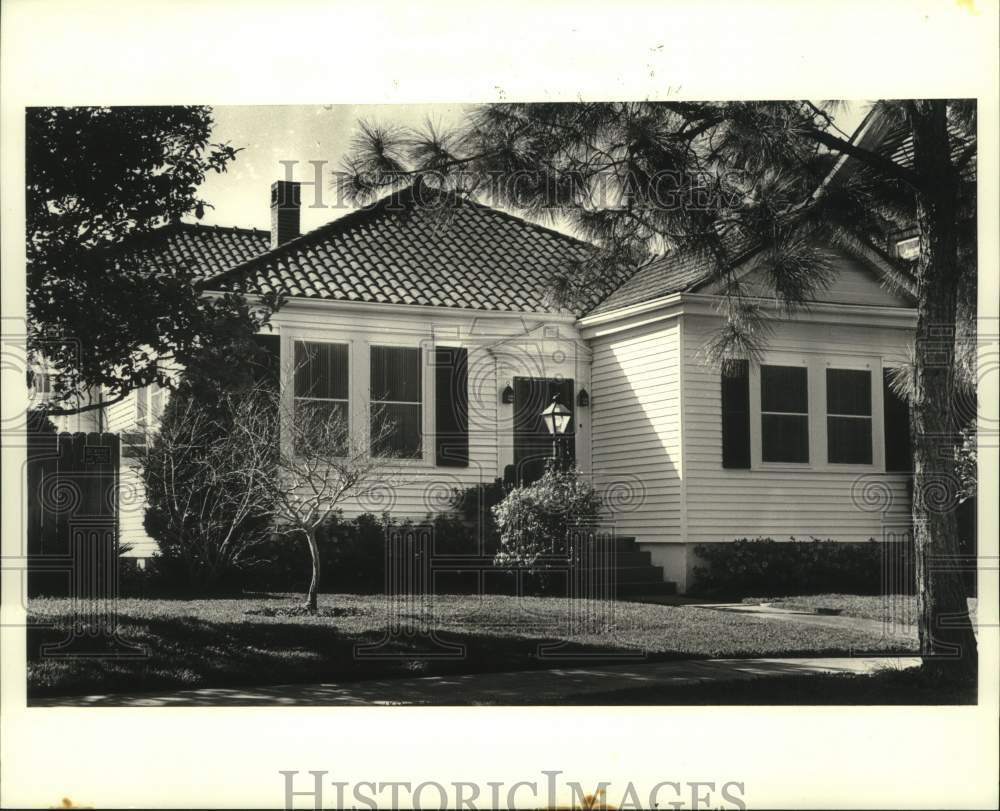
313, 464
227, 478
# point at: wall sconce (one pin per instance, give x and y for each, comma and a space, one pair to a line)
508, 395
583, 399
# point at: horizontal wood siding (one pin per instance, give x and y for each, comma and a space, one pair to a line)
819, 500
637, 429
121, 419
132, 513
499, 348
853, 282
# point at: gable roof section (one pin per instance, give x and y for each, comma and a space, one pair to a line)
401, 250
685, 272
205, 249
677, 272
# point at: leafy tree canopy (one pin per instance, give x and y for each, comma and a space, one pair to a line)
99, 181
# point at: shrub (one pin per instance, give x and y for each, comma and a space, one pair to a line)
764, 567
536, 521
201, 479
475, 506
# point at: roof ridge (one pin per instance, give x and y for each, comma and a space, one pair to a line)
404, 196
521, 220
326, 229
216, 227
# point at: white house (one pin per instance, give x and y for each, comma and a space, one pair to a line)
446, 321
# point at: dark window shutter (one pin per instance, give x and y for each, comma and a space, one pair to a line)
451, 406
267, 365
736, 416
898, 446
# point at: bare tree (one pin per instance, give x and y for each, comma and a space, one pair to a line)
313, 463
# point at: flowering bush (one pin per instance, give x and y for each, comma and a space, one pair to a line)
537, 520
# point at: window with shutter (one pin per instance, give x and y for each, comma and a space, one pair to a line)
849, 416
736, 416
898, 444
396, 402
784, 413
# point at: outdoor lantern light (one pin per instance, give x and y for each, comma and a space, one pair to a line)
508, 395
556, 417
583, 399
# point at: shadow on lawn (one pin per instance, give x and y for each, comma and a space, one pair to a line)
717, 682
193, 653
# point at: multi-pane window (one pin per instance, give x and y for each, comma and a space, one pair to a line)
42, 381
149, 403
784, 413
849, 416
396, 401
321, 386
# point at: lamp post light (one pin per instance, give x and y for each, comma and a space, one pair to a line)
556, 418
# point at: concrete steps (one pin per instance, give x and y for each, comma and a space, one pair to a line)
632, 571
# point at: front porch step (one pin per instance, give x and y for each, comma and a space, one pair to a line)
632, 570
637, 558
635, 592
629, 574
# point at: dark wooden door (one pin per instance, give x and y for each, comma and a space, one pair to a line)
532, 442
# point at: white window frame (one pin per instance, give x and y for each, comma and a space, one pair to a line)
757, 417
833, 366
816, 364
422, 348
301, 339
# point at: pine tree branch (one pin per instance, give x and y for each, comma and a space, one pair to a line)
866, 156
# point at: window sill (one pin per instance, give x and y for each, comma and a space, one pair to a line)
829, 467
852, 467
795, 466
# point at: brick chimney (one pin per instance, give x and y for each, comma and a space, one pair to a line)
285, 201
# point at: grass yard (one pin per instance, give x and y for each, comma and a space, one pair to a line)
266, 640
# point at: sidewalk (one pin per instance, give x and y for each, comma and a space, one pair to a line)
537, 686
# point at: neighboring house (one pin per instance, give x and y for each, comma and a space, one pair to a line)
446, 322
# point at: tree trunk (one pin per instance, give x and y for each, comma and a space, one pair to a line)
947, 641
312, 595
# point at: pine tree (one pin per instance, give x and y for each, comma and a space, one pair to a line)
717, 179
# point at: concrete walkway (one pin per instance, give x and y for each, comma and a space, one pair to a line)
806, 617
517, 687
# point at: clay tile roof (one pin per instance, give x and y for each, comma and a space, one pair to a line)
207, 250
456, 253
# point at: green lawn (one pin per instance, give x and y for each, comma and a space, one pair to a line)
264, 640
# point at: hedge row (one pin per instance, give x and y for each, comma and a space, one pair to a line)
765, 567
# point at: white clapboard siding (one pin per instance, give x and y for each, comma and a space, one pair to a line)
637, 429
816, 500
500, 347
121, 419
853, 282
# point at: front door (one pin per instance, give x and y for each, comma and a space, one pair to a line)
532, 442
